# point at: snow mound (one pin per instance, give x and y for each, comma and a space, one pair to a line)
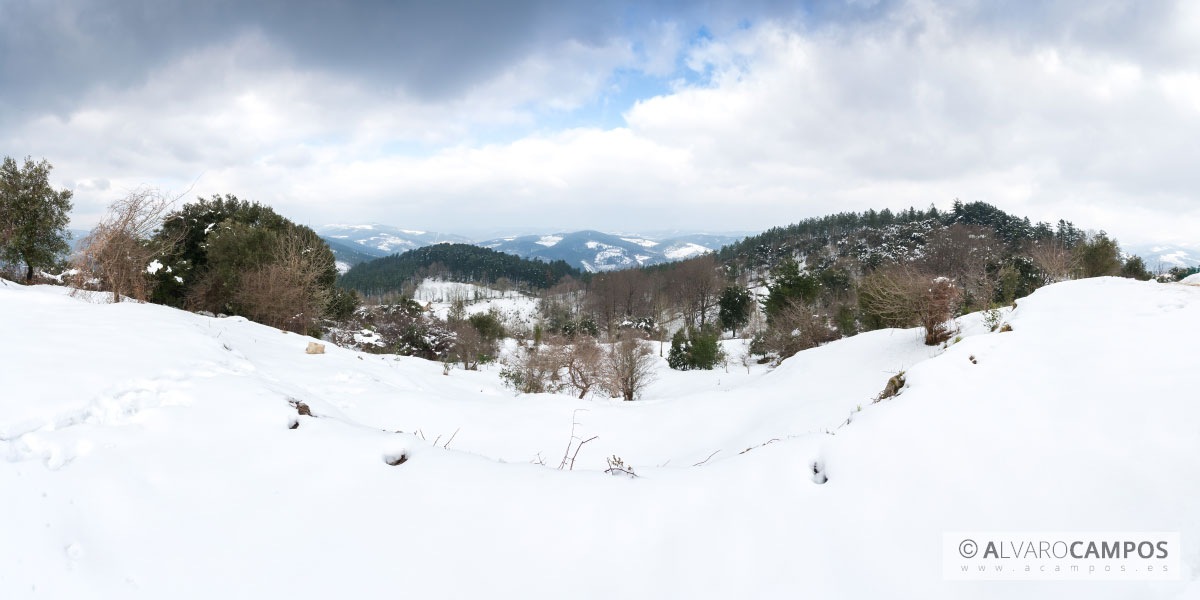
147, 452
1192, 279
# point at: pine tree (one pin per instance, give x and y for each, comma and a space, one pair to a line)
790, 284
35, 215
678, 358
734, 308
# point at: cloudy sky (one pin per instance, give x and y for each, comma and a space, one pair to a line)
527, 115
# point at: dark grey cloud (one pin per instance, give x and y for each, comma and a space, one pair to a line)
52, 53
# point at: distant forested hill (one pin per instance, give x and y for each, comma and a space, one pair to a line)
874, 237
456, 262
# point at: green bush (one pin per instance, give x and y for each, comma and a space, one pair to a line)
1135, 268
697, 349
343, 303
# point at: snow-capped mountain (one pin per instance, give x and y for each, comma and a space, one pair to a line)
1166, 256
353, 244
383, 240
596, 251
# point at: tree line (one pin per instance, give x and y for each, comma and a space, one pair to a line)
453, 262
787, 289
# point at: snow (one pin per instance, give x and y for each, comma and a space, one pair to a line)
154, 266
1177, 258
342, 266
145, 452
685, 250
1193, 279
549, 240
611, 257
515, 307
641, 242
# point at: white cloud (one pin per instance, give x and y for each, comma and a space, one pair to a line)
920, 107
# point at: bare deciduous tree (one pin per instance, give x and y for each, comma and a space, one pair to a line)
1054, 260
697, 286
963, 254
117, 254
470, 346
582, 362
628, 368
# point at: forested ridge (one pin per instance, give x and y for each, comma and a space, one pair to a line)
455, 262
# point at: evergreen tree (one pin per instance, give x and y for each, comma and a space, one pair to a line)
734, 308
35, 215
1135, 268
790, 284
677, 358
704, 350
697, 349
1099, 256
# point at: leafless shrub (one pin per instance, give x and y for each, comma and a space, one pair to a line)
583, 363
286, 293
616, 466
903, 296
574, 441
794, 328
533, 370
1054, 260
116, 255
628, 368
469, 346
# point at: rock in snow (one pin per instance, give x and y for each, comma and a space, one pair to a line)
147, 452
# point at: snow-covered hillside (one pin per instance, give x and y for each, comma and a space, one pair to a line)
381, 240
596, 252
513, 306
147, 452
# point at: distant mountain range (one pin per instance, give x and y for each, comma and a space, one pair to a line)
589, 250
596, 251
1165, 256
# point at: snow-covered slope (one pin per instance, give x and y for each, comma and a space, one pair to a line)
145, 452
514, 307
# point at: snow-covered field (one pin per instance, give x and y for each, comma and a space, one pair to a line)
515, 308
146, 452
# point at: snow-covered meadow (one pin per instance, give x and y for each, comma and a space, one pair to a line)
147, 452
515, 308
